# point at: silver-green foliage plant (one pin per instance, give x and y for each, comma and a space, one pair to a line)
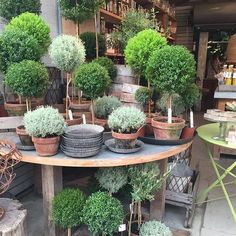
112, 179
126, 120
105, 105
44, 122
67, 52
154, 228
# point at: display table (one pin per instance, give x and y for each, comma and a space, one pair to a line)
206, 133
52, 173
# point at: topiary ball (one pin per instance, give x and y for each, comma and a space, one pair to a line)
67, 207
27, 78
143, 95
67, 52
35, 26
89, 39
154, 228
103, 214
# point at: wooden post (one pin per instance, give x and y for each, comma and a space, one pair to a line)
157, 206
51, 184
202, 59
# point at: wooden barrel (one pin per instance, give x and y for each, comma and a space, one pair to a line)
231, 50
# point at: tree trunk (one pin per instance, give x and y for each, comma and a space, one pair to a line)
96, 35
92, 110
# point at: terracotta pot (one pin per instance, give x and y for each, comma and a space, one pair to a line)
125, 141
142, 131
101, 122
149, 128
15, 109
166, 131
46, 146
25, 139
187, 133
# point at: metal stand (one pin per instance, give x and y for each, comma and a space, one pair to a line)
222, 133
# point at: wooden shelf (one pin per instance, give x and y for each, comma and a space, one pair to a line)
110, 16
114, 54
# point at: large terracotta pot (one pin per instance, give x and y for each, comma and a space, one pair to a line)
46, 146
166, 131
15, 109
25, 139
125, 141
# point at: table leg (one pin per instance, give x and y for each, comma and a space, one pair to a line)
51, 184
157, 206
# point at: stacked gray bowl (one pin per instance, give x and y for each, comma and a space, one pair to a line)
81, 141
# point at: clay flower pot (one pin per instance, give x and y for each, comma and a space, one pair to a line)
15, 109
187, 133
125, 141
46, 146
25, 139
149, 128
166, 131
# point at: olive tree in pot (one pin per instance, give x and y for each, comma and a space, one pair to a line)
67, 207
45, 125
93, 80
170, 69
103, 214
28, 79
125, 123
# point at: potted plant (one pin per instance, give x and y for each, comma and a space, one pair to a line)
67, 208
125, 123
103, 214
45, 125
93, 80
28, 79
154, 228
170, 69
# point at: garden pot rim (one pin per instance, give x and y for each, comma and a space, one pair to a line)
45, 138
160, 119
124, 135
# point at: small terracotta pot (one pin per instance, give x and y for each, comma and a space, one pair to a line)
125, 141
187, 133
15, 109
25, 139
46, 146
76, 121
149, 128
166, 131
101, 122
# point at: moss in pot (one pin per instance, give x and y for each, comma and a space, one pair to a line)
45, 125
125, 123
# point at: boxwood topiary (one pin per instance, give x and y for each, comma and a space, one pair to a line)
105, 105
27, 78
67, 207
143, 95
108, 64
44, 122
103, 214
17, 45
89, 39
35, 26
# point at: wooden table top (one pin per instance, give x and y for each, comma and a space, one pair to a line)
105, 158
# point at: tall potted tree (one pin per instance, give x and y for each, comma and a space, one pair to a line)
170, 69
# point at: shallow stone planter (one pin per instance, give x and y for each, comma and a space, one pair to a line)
25, 139
125, 141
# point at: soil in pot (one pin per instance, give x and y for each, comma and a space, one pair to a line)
166, 131
125, 141
46, 146
25, 139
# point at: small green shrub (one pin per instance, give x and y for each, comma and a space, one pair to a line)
16, 46
67, 52
126, 120
67, 208
154, 228
103, 214
12, 8
112, 179
92, 79
143, 95
89, 40
44, 122
27, 78
35, 26
108, 64
140, 48
105, 105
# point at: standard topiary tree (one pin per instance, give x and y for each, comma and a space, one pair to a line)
171, 70
154, 228
13, 8
103, 214
93, 80
28, 79
35, 26
67, 208
89, 39
143, 96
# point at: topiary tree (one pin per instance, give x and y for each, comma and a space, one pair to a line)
17, 45
171, 70
28, 79
89, 39
103, 214
67, 207
143, 96
13, 8
112, 179
154, 228
93, 80
35, 26
108, 64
